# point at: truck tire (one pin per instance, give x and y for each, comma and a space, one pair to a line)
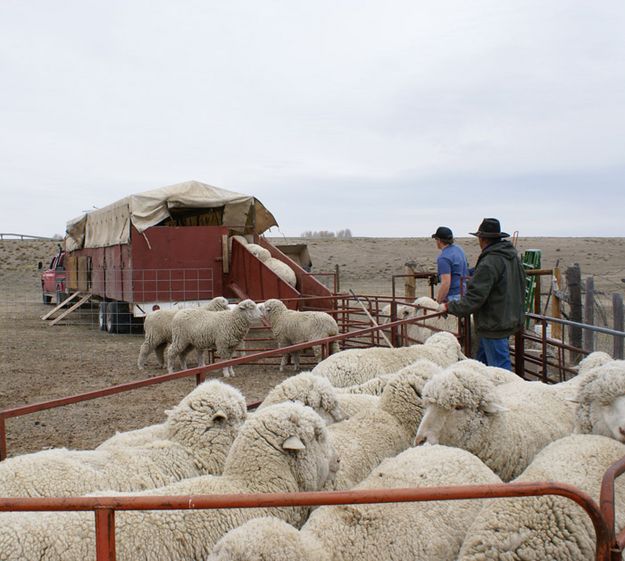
102, 316
46, 299
117, 317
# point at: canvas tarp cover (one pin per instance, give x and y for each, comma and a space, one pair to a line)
111, 225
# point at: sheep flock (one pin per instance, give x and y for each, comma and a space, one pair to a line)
374, 418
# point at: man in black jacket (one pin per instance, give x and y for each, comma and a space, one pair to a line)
495, 295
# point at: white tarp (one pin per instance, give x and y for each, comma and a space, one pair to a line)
111, 225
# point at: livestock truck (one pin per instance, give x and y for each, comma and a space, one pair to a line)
178, 245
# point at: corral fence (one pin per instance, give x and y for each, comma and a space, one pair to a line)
608, 545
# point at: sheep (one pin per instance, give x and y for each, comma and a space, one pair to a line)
366, 438
282, 270
157, 328
222, 331
375, 386
259, 252
241, 239
419, 531
282, 449
505, 425
355, 366
201, 430
313, 391
190, 417
317, 392
601, 401
549, 527
290, 327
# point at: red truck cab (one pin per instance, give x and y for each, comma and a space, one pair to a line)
53, 280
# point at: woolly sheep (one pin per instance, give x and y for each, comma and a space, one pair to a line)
314, 391
290, 327
355, 366
221, 331
317, 392
365, 439
549, 527
376, 385
157, 328
241, 239
601, 401
189, 419
419, 531
282, 270
505, 425
425, 306
284, 448
202, 428
258, 251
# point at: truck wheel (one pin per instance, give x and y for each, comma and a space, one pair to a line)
117, 317
46, 299
102, 316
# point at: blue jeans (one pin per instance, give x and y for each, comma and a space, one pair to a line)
494, 352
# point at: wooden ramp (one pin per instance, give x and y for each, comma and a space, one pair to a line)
82, 298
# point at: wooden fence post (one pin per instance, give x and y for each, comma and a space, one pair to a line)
589, 314
619, 324
556, 328
573, 282
410, 283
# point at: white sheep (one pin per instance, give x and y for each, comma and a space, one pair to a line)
601, 401
290, 327
366, 438
375, 386
258, 251
549, 527
311, 390
157, 328
416, 531
282, 270
355, 366
505, 425
188, 421
220, 331
201, 430
284, 448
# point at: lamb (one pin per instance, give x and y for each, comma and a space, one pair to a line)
221, 331
505, 425
284, 448
601, 401
355, 366
314, 391
201, 430
419, 531
157, 327
282, 270
290, 327
258, 251
549, 527
188, 421
375, 386
365, 439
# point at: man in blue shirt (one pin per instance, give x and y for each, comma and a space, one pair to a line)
452, 266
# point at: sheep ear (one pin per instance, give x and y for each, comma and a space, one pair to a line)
493, 407
218, 416
293, 443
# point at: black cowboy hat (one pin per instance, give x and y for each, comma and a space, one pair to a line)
443, 233
490, 228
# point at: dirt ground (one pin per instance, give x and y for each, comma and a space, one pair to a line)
39, 362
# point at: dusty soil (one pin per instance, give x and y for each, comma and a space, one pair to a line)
39, 362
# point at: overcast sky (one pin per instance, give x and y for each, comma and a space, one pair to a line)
385, 117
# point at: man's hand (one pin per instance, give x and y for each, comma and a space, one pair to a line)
442, 308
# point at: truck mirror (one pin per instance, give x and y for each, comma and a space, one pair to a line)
40, 265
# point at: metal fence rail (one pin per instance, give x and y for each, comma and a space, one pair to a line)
105, 507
